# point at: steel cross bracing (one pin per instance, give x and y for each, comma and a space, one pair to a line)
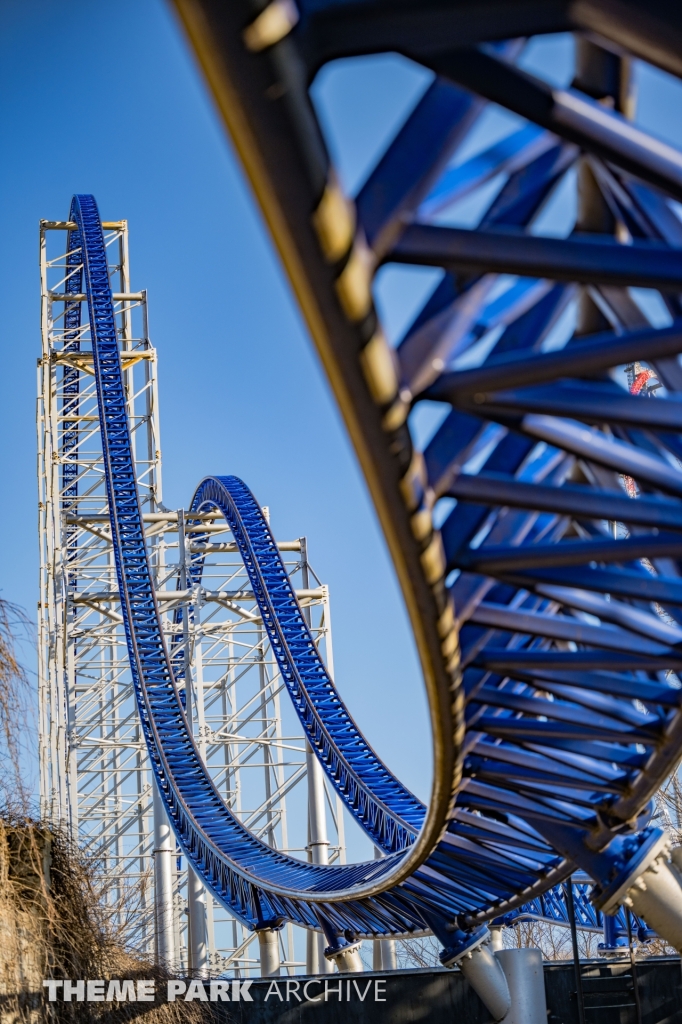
535, 533
95, 774
94, 777
88, 724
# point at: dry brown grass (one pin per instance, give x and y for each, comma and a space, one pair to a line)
55, 921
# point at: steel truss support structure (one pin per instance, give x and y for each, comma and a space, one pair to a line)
95, 775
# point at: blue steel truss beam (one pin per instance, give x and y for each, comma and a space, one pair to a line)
600, 260
415, 160
568, 113
578, 358
582, 502
652, 31
449, 317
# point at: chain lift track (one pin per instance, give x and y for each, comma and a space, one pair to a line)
546, 606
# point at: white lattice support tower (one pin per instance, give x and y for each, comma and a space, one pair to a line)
244, 725
95, 777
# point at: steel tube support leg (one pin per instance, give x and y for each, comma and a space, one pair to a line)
647, 881
523, 972
196, 905
384, 954
318, 846
268, 944
636, 871
485, 975
656, 895
164, 845
315, 962
471, 952
383, 951
388, 958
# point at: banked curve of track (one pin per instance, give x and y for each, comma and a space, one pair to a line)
389, 813
258, 883
553, 557
369, 790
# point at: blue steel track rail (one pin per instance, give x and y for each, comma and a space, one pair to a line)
256, 882
551, 650
388, 812
297, 656
211, 837
352, 766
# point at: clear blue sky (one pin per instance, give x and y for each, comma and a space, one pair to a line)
105, 98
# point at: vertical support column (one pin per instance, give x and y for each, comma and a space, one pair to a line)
318, 851
318, 840
209, 927
606, 77
197, 946
110, 711
268, 836
44, 519
72, 738
179, 915
164, 845
525, 978
125, 328
329, 659
268, 945
383, 950
315, 962
384, 958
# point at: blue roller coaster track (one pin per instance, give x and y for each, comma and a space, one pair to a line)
547, 607
259, 884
